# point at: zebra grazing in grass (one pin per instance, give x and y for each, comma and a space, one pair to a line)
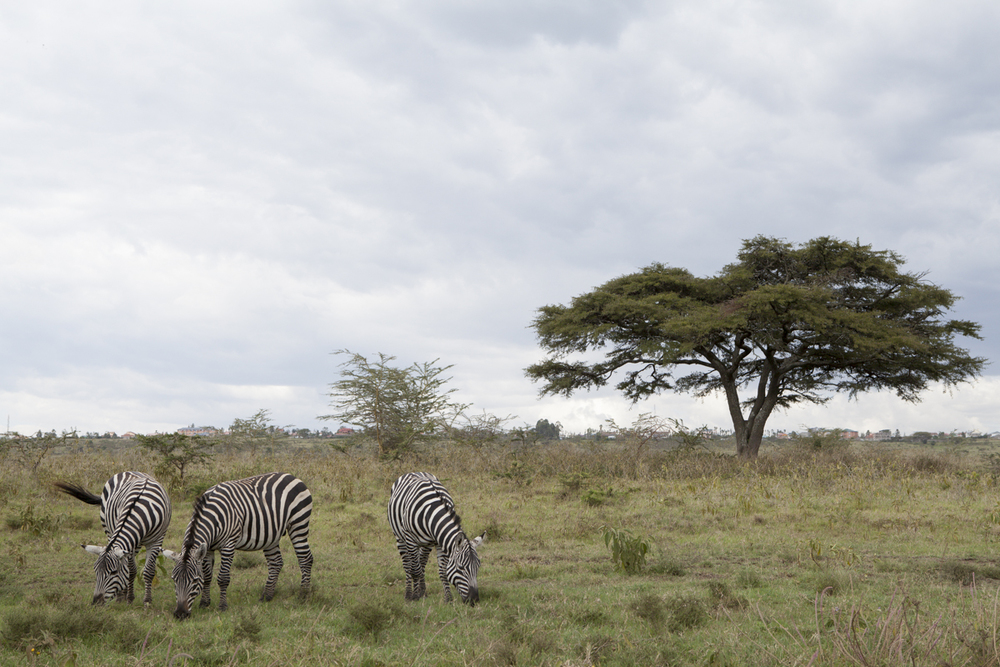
422, 515
135, 512
248, 515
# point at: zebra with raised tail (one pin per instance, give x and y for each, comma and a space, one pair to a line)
135, 512
247, 515
422, 515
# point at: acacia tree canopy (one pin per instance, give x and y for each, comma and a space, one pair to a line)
782, 325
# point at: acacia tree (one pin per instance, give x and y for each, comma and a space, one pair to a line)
250, 434
177, 452
395, 405
784, 324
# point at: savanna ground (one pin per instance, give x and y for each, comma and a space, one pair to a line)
816, 554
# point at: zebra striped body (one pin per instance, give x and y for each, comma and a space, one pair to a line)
135, 512
422, 515
246, 515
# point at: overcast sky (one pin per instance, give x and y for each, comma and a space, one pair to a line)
201, 201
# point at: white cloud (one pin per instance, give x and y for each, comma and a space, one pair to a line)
215, 197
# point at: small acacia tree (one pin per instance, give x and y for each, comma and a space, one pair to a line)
397, 406
177, 452
782, 325
250, 434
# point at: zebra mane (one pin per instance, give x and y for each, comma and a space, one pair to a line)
190, 536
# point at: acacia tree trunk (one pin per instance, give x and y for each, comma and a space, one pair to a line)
749, 430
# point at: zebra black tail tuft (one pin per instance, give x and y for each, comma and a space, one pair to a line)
78, 492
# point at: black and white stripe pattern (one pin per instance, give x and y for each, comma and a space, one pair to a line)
422, 515
247, 515
135, 512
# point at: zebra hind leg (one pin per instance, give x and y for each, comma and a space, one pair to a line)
274, 563
299, 535
305, 558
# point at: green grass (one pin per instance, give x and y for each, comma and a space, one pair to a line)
830, 557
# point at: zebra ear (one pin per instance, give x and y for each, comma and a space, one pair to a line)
479, 540
172, 555
117, 551
91, 549
200, 551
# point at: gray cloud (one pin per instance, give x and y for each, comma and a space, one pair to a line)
199, 203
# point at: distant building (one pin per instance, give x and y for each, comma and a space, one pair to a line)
343, 432
129, 435
199, 430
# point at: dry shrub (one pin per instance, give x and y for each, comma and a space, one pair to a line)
685, 613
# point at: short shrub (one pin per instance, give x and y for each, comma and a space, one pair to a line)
722, 597
571, 483
929, 463
495, 530
25, 626
671, 568
590, 617
748, 579
958, 571
247, 628
596, 497
828, 582
39, 525
595, 649
368, 620
650, 609
686, 613
246, 560
627, 551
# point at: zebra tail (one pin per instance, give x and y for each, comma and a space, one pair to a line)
78, 492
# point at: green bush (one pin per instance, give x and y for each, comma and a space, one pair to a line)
39, 525
628, 551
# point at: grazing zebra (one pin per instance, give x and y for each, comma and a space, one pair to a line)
248, 515
422, 515
135, 512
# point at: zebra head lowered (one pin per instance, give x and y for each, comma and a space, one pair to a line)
463, 567
188, 575
135, 513
113, 573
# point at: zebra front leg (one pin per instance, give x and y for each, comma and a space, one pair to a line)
149, 572
225, 565
132, 570
207, 567
273, 557
443, 574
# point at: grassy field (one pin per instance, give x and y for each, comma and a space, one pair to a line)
809, 556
